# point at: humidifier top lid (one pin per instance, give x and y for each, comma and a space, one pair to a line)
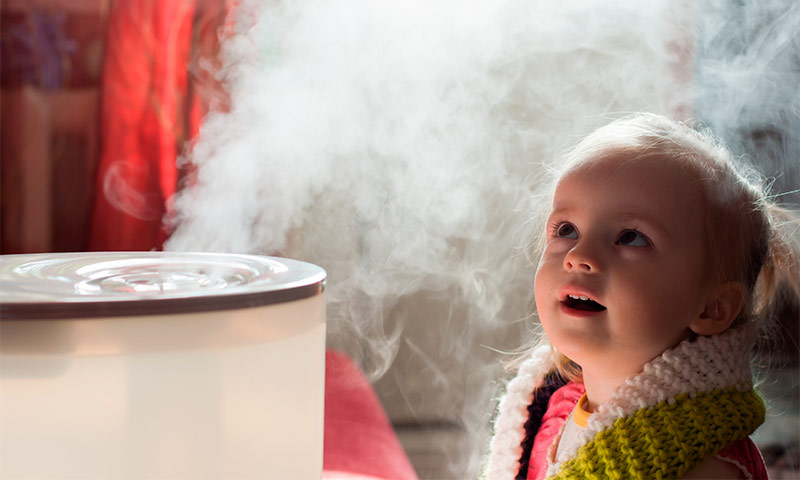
111, 284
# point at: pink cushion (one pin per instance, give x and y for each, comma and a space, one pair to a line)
359, 440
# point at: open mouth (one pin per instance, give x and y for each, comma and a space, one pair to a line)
583, 303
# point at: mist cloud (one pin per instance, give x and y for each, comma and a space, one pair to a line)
402, 146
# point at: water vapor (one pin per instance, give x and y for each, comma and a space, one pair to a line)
403, 146
747, 85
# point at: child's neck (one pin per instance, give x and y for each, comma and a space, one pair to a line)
599, 388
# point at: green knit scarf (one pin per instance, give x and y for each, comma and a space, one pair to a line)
669, 439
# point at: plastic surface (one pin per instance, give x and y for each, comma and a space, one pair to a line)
103, 284
223, 393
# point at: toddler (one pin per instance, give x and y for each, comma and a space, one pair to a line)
660, 262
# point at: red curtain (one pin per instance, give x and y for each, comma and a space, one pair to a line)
154, 93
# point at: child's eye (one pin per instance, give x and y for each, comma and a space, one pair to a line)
632, 238
566, 230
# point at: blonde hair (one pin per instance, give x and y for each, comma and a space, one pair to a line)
748, 237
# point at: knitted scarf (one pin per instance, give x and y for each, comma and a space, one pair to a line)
685, 405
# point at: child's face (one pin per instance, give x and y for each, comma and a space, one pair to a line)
627, 235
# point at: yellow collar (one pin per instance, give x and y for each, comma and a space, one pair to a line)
580, 415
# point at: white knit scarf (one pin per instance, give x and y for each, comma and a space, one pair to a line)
697, 366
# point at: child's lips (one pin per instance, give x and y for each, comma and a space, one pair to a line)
576, 291
580, 312
579, 301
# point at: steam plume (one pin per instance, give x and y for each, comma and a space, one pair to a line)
401, 145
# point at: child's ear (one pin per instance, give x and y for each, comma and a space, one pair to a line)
723, 306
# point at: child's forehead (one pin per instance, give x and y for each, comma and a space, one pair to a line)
655, 183
645, 168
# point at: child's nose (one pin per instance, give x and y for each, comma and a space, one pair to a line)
585, 266
579, 258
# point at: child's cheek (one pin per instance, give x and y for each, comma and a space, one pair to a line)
545, 288
555, 247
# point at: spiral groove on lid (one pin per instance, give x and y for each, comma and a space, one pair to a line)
94, 284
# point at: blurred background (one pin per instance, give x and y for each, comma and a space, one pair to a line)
402, 146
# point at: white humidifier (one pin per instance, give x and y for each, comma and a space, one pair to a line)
161, 365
